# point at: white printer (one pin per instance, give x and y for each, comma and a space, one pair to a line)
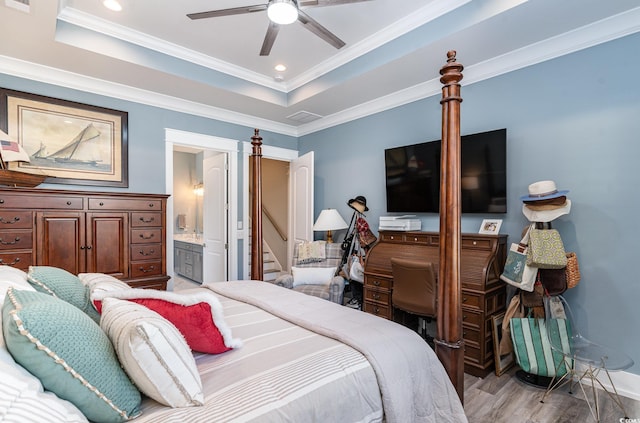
399, 223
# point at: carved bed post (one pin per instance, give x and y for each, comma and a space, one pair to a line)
449, 342
256, 207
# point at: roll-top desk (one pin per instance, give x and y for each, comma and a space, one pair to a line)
483, 293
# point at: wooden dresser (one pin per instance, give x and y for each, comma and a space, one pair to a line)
483, 293
120, 234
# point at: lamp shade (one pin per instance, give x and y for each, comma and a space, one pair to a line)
329, 220
282, 12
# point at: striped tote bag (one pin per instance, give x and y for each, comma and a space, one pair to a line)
533, 349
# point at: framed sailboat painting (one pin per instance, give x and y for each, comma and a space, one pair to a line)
71, 143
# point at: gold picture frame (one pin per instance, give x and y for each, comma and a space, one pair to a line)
73, 143
506, 361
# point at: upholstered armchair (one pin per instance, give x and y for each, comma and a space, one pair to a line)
313, 270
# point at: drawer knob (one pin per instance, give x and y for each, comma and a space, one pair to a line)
376, 296
142, 219
376, 310
150, 204
1, 201
415, 239
68, 203
10, 222
475, 242
101, 203
376, 283
464, 299
146, 237
464, 317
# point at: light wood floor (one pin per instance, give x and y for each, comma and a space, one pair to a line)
506, 399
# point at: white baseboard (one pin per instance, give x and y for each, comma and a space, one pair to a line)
627, 384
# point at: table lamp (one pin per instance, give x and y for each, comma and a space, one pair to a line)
329, 220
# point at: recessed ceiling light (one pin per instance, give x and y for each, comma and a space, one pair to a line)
280, 68
112, 5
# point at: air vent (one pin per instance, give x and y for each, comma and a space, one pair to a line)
304, 117
21, 5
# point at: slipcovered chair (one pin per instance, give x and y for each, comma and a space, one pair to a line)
313, 271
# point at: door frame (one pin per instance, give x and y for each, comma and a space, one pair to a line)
176, 137
268, 152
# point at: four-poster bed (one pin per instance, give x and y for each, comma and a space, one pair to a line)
449, 342
293, 357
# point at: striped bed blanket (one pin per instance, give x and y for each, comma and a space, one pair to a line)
305, 359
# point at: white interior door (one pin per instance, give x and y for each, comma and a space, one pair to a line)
215, 218
300, 201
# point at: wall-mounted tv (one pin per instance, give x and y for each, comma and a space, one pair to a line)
413, 175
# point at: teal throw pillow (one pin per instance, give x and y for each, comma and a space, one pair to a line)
64, 285
70, 354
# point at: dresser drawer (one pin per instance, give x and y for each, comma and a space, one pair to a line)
145, 236
376, 296
146, 252
124, 204
58, 202
146, 219
470, 334
145, 268
377, 282
18, 260
16, 240
19, 219
378, 310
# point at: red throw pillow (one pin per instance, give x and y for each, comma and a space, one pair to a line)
199, 317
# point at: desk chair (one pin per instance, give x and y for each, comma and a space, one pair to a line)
584, 358
414, 290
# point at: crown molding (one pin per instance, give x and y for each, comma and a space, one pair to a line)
581, 38
49, 75
608, 29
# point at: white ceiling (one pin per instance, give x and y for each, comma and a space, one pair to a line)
151, 52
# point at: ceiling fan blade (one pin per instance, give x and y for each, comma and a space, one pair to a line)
269, 38
322, 32
314, 3
228, 12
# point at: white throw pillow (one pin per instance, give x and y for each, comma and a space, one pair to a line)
153, 352
312, 275
100, 282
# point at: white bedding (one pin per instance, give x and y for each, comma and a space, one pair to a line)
413, 384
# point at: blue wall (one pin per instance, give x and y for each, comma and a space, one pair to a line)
575, 120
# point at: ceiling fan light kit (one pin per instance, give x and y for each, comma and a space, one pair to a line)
282, 12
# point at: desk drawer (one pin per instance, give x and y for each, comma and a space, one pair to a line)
471, 318
482, 244
373, 295
377, 282
378, 310
471, 300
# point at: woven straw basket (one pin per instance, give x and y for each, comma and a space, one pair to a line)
572, 270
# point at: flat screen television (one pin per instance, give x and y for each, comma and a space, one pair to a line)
413, 175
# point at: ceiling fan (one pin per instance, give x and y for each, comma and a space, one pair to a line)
283, 12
